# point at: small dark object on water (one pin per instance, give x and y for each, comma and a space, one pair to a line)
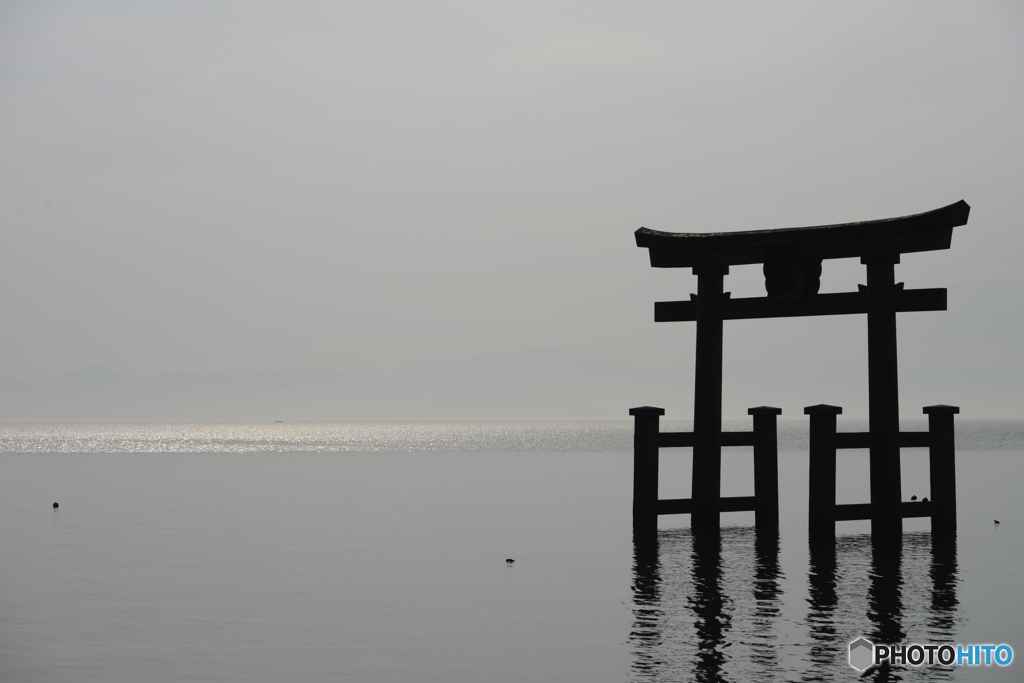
925, 499
913, 498
55, 506
996, 521
511, 561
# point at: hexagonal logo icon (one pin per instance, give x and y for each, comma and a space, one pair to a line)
862, 654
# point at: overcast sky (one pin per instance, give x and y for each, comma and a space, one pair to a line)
208, 185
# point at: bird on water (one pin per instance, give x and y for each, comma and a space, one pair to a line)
511, 561
913, 498
996, 521
55, 506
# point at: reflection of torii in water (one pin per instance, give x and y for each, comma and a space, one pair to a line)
792, 260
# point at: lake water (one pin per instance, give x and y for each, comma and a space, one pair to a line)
376, 552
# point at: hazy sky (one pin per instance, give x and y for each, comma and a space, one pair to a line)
207, 185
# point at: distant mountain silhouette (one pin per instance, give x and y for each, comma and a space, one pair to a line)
533, 384
495, 405
541, 384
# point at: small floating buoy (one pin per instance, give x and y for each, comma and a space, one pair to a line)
55, 506
511, 561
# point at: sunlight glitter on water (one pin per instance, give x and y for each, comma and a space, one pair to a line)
406, 437
388, 437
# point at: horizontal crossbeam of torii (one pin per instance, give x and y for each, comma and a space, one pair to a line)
840, 303
792, 259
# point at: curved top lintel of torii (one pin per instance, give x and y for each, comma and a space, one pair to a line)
928, 231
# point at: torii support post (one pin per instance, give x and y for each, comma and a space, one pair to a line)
821, 512
766, 466
942, 463
645, 470
648, 440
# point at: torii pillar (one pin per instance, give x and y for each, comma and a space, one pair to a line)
707, 402
883, 394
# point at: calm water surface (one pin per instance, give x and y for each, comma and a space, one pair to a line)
377, 553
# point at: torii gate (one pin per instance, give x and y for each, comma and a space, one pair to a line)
792, 260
